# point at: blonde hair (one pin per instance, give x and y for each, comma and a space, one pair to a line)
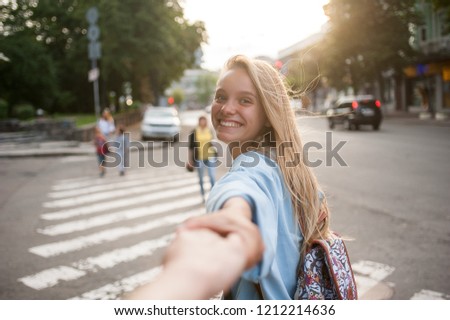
300, 180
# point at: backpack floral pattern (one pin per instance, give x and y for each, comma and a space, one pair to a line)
326, 272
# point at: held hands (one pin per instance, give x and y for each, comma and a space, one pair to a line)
209, 262
213, 250
234, 219
208, 255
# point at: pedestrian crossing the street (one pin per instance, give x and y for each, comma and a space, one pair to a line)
103, 237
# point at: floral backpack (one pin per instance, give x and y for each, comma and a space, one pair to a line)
326, 272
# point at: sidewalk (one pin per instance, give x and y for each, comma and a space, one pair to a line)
420, 118
39, 148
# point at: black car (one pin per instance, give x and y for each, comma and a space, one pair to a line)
355, 111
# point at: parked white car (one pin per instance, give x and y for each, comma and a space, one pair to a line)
161, 123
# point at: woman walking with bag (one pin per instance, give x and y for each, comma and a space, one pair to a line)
269, 182
202, 153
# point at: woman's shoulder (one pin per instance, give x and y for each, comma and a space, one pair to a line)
255, 163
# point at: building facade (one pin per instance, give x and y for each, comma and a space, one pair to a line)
427, 81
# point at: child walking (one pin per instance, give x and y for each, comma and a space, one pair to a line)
100, 148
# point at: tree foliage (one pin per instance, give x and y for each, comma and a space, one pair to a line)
365, 38
205, 85
443, 5
148, 43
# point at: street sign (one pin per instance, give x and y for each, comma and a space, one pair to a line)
93, 74
92, 15
93, 32
95, 50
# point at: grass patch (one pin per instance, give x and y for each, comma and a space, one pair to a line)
80, 119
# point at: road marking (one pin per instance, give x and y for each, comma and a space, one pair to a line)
368, 274
115, 290
128, 202
95, 197
129, 214
430, 295
75, 244
82, 182
51, 277
114, 185
112, 258
90, 181
69, 159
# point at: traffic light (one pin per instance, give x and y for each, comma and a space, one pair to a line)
170, 100
278, 64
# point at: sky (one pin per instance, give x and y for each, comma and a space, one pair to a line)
253, 27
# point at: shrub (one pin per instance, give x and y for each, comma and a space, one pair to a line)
3, 109
23, 111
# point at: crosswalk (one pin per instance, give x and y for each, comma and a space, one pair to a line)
83, 215
91, 227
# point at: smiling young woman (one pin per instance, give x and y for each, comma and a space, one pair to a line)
268, 183
237, 114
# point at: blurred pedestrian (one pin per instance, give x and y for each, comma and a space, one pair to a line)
269, 182
202, 153
193, 270
122, 148
424, 97
106, 124
100, 149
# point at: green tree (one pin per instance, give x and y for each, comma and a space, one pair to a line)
47, 34
205, 86
30, 73
178, 96
365, 38
443, 5
148, 43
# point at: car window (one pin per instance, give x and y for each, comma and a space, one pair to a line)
345, 105
160, 113
367, 103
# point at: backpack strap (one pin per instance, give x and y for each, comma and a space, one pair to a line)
259, 289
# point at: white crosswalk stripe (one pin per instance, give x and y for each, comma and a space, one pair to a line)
88, 211
430, 295
369, 275
111, 186
118, 288
83, 242
95, 197
50, 277
84, 224
115, 204
370, 278
86, 214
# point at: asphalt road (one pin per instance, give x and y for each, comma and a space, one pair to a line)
65, 233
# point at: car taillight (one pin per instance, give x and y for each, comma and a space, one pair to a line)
378, 103
354, 104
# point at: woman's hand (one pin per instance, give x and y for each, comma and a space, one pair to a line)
233, 218
208, 254
197, 265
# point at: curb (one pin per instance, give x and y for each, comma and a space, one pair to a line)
381, 291
62, 152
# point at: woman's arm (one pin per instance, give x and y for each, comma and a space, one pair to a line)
197, 265
208, 254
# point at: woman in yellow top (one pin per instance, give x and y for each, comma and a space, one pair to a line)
201, 152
